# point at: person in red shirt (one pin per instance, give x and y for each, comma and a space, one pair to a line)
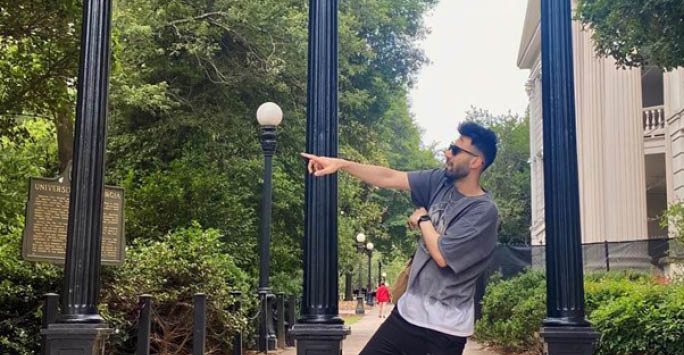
383, 296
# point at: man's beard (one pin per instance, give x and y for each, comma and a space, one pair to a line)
457, 172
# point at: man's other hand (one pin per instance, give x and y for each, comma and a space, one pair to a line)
413, 218
321, 166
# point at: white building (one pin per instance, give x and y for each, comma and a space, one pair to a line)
630, 139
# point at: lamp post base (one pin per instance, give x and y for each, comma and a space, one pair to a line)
319, 338
82, 339
359, 305
568, 340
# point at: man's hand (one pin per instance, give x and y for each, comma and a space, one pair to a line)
321, 166
413, 218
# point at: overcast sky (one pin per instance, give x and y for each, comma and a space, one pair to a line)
473, 48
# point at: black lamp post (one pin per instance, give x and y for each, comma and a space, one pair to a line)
80, 328
565, 330
360, 247
320, 329
369, 292
381, 276
269, 116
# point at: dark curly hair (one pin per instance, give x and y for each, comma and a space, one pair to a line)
484, 139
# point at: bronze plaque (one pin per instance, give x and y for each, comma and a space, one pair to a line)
47, 216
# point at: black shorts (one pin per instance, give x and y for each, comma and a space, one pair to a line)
396, 336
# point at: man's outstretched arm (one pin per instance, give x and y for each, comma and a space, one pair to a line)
370, 174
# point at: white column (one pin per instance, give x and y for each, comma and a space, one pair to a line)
590, 135
673, 82
609, 146
534, 90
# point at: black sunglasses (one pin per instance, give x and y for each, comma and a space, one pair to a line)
456, 149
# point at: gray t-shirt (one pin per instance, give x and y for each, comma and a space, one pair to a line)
442, 298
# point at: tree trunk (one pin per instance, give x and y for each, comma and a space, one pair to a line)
64, 122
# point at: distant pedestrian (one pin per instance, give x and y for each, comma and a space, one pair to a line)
383, 296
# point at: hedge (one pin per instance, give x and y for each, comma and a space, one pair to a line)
632, 313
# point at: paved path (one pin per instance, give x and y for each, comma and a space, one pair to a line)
362, 330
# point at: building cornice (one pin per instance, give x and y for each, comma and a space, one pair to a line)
530, 41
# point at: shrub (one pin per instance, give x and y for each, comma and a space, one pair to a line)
605, 287
184, 262
632, 313
512, 311
647, 320
22, 287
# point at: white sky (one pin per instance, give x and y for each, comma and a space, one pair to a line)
473, 48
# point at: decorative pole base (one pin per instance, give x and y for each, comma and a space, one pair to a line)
568, 340
77, 339
313, 339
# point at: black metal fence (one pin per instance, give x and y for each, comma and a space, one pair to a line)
282, 314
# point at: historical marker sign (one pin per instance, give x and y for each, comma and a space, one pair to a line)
47, 216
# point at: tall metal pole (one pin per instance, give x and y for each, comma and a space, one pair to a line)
360, 272
79, 325
565, 326
370, 282
359, 296
380, 272
320, 326
268, 145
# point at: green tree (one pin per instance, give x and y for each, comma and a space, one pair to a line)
508, 178
38, 65
636, 33
187, 79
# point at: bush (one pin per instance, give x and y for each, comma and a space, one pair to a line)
648, 320
21, 291
183, 263
605, 287
512, 311
632, 313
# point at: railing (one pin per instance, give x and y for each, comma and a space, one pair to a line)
281, 313
653, 119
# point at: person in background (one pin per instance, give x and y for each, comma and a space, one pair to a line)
383, 296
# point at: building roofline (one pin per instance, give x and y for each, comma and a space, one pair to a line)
530, 41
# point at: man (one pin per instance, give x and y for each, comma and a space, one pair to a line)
457, 220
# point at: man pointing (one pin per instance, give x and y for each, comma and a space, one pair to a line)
458, 221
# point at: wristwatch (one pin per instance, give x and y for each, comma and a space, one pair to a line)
423, 218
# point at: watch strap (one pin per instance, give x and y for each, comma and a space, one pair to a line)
423, 218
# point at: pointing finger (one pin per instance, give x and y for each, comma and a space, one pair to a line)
307, 155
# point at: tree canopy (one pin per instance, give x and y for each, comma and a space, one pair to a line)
186, 79
508, 178
636, 33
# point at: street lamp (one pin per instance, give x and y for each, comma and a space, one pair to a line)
360, 245
269, 116
369, 251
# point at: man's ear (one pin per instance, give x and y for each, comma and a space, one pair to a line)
476, 162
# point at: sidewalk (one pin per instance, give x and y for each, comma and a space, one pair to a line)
362, 331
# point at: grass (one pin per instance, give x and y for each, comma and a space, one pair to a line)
351, 319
